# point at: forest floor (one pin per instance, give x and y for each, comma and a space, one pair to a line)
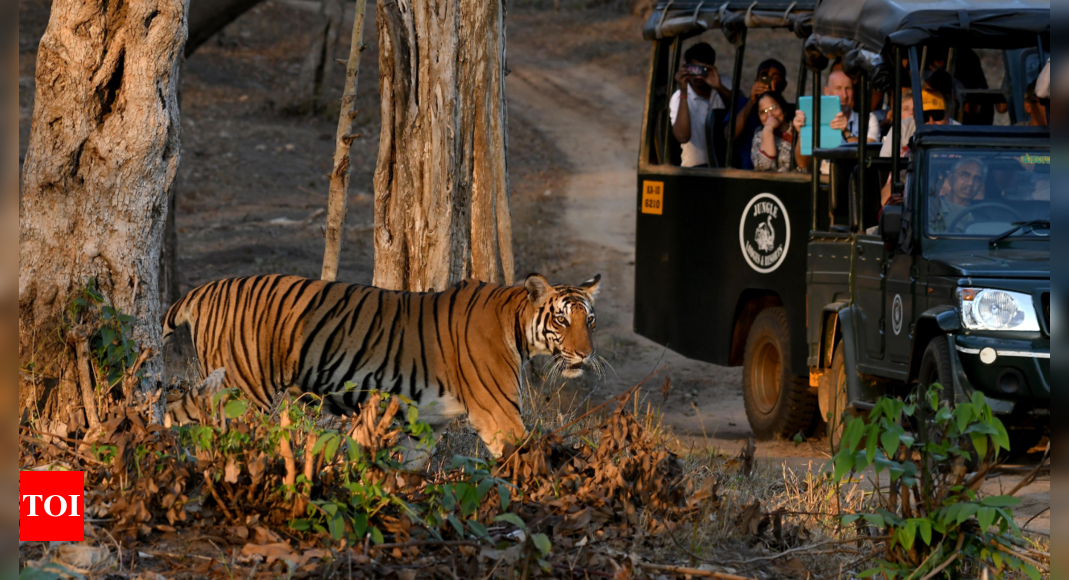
252, 185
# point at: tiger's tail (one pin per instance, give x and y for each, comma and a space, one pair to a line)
177, 315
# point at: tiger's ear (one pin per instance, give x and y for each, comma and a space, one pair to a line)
538, 289
591, 285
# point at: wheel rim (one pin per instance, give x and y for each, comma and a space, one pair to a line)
768, 366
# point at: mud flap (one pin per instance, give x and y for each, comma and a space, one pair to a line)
858, 394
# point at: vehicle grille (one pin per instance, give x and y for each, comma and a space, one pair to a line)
1046, 310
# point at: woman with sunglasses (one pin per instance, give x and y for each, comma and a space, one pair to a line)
772, 145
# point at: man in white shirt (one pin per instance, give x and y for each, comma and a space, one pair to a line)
704, 89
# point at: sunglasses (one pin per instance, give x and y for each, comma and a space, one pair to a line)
769, 110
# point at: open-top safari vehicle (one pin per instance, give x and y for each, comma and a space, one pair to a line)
826, 297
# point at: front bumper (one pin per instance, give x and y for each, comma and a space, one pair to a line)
1030, 358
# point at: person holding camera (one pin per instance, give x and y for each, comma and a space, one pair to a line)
771, 77
702, 88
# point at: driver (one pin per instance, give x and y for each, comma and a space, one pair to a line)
961, 188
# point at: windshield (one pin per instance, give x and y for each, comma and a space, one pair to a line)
975, 193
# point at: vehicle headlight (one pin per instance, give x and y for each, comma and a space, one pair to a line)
985, 309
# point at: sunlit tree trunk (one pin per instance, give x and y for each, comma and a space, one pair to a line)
103, 151
441, 184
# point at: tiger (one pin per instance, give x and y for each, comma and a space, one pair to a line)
457, 351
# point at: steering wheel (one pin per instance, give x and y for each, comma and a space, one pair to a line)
981, 206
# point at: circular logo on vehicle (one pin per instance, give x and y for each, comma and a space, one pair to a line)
896, 315
765, 233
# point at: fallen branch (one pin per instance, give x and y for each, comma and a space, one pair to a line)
60, 449
424, 543
583, 572
681, 570
1026, 480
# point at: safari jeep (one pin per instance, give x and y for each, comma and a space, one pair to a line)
827, 298
952, 286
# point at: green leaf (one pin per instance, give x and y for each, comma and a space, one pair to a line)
320, 443
1032, 572
478, 529
484, 488
505, 495
890, 442
235, 408
871, 444
907, 534
332, 447
376, 536
300, 525
844, 461
847, 520
413, 414
512, 519
986, 517
967, 511
542, 543
925, 528
855, 430
869, 573
1001, 437
360, 525
456, 525
49, 571
1001, 501
337, 528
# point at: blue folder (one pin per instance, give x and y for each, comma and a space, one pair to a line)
829, 107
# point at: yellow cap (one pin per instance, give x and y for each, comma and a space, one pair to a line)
933, 101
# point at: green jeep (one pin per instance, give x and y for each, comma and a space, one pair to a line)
953, 285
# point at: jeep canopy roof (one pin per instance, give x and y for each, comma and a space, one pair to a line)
874, 25
674, 18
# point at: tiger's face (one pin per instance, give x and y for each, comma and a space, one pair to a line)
564, 324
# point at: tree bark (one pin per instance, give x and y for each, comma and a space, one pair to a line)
441, 183
102, 154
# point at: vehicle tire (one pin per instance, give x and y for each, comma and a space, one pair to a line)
777, 403
936, 369
833, 400
935, 365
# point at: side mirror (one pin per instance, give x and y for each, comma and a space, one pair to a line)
891, 225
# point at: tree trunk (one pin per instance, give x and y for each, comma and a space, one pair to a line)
318, 69
441, 183
102, 154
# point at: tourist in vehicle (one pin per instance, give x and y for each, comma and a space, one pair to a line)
771, 147
880, 131
702, 88
771, 77
968, 74
958, 191
839, 85
935, 99
1043, 82
1033, 107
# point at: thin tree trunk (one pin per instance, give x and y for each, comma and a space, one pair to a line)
441, 183
339, 176
318, 68
102, 154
